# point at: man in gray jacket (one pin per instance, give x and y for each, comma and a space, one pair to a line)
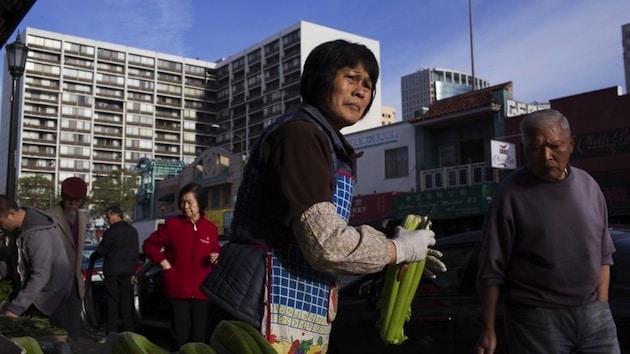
43, 268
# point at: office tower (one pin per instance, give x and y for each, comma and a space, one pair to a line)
88, 108
423, 87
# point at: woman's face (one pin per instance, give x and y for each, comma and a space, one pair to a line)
350, 96
189, 206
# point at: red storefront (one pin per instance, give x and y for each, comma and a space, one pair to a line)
372, 209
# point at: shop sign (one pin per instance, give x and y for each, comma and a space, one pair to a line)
371, 207
445, 203
503, 154
608, 142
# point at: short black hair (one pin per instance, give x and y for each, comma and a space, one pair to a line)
115, 209
322, 64
200, 193
6, 205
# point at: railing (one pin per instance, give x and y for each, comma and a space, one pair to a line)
458, 176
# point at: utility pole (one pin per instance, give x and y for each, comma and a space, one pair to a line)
472, 55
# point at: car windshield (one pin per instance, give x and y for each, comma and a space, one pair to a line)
87, 251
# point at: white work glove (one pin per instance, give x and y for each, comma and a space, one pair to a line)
412, 245
433, 264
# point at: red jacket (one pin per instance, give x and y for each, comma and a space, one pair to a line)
187, 247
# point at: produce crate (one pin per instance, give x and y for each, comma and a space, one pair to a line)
8, 347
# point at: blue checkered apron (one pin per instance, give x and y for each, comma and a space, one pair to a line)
300, 302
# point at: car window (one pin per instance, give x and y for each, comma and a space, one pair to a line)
86, 255
458, 261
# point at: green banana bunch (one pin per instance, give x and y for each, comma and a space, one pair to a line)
134, 343
401, 283
238, 337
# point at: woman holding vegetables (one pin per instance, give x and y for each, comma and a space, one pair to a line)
290, 231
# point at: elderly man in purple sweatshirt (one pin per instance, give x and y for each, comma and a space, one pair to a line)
547, 251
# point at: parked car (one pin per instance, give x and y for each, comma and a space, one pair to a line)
446, 313
151, 308
94, 309
97, 270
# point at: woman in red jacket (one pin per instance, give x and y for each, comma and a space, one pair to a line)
187, 248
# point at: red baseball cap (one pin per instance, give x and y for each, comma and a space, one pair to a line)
74, 187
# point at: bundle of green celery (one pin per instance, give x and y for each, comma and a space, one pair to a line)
401, 283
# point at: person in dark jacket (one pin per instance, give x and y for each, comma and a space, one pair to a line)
187, 248
119, 247
43, 268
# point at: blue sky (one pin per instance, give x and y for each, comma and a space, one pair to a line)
547, 48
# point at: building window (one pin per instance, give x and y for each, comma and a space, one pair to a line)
447, 155
397, 162
141, 60
79, 48
108, 54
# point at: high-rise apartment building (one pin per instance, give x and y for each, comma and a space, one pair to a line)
262, 81
625, 40
423, 87
88, 108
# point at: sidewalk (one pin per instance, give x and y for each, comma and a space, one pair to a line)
93, 343
97, 343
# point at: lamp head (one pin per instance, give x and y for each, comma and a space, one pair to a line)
17, 52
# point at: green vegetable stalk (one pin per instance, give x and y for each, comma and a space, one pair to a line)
401, 283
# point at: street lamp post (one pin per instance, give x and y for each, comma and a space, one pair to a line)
17, 53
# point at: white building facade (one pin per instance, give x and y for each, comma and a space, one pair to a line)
87, 108
388, 160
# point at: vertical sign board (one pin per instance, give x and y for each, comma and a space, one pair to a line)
503, 155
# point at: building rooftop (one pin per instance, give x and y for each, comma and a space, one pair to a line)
464, 102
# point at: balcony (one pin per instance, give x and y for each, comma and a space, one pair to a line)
458, 176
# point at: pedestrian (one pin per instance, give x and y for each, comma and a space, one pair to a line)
290, 232
119, 248
187, 248
547, 251
72, 226
42, 267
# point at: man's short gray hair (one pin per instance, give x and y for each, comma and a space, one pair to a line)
543, 118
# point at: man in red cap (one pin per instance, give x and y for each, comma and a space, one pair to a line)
72, 226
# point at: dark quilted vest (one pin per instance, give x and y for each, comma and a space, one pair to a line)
237, 282
255, 215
